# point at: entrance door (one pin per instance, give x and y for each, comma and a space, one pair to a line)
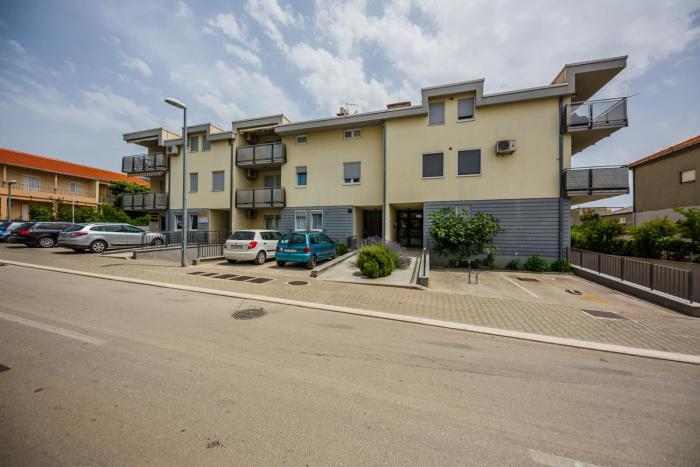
371, 224
409, 228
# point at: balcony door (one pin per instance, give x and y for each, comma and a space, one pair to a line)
273, 181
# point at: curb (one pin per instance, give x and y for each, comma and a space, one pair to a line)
612, 348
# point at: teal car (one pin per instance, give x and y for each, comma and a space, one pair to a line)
304, 247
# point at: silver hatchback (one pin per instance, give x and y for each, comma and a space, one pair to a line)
100, 237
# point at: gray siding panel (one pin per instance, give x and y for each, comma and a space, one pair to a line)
530, 226
337, 220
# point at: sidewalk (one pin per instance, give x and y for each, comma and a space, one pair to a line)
650, 328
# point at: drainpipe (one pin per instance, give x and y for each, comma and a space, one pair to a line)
385, 208
168, 186
561, 177
231, 190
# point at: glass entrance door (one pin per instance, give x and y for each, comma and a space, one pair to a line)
409, 228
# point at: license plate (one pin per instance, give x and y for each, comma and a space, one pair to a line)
290, 250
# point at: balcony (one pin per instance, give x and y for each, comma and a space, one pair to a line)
589, 122
260, 198
38, 191
590, 183
153, 201
145, 164
261, 156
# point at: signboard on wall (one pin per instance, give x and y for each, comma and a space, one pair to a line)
203, 218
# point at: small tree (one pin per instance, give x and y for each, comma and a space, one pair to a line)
462, 235
40, 213
599, 235
654, 238
119, 187
689, 227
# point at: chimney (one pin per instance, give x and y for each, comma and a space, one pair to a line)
343, 112
398, 105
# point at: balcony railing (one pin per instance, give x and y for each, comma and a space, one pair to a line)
261, 155
260, 198
144, 163
605, 113
153, 201
596, 181
66, 192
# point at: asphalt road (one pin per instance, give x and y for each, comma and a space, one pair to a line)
107, 373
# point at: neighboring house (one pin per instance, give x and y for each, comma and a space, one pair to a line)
383, 172
40, 180
621, 216
577, 214
666, 180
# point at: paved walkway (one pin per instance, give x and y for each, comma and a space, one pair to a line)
645, 326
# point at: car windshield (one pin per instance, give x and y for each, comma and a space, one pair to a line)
4, 224
242, 235
74, 228
293, 239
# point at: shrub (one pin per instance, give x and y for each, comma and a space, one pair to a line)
689, 227
396, 252
536, 264
341, 248
654, 238
599, 235
514, 264
374, 261
461, 235
40, 213
560, 265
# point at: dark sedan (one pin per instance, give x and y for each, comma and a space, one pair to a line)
42, 234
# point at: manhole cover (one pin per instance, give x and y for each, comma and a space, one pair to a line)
249, 313
527, 279
297, 283
603, 314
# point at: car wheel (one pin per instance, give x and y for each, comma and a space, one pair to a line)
157, 242
312, 262
260, 258
334, 255
232, 261
46, 242
98, 246
281, 263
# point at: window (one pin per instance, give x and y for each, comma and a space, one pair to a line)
316, 220
194, 221
206, 144
217, 180
352, 134
301, 176
688, 176
325, 238
313, 239
272, 222
436, 113
178, 222
273, 181
351, 172
432, 165
465, 109
194, 182
300, 220
242, 235
131, 229
74, 188
30, 183
469, 162
194, 143
302, 139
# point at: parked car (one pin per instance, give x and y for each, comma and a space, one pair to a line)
251, 245
100, 237
43, 234
7, 227
305, 247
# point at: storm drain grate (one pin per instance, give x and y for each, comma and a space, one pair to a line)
196, 273
603, 314
298, 283
3, 368
260, 280
208, 274
225, 276
527, 279
242, 278
249, 313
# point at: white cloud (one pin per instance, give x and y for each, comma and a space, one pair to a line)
16, 47
136, 64
229, 26
70, 65
244, 55
270, 15
183, 11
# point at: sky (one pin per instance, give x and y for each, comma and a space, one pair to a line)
77, 74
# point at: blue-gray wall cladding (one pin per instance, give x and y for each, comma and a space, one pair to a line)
337, 220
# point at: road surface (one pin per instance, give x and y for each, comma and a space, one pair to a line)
108, 373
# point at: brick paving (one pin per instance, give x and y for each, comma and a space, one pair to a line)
646, 326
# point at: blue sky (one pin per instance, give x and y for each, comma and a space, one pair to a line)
75, 75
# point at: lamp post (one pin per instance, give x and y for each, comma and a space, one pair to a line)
9, 198
185, 223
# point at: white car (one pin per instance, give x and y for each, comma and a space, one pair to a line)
251, 245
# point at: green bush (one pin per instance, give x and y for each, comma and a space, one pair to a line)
536, 264
599, 235
461, 234
655, 238
514, 264
374, 261
560, 265
689, 227
40, 213
341, 248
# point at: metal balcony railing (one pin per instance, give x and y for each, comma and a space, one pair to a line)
153, 201
260, 198
144, 163
62, 191
596, 180
261, 155
589, 115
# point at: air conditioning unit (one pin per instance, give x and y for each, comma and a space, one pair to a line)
251, 213
505, 146
173, 150
251, 174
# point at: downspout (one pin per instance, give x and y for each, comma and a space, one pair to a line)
168, 187
561, 176
385, 208
231, 190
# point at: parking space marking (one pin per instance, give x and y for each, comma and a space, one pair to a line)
518, 285
53, 329
556, 461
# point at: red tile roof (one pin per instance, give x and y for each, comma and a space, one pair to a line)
48, 164
669, 150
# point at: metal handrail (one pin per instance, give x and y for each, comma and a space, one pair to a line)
145, 163
584, 115
48, 189
260, 197
260, 154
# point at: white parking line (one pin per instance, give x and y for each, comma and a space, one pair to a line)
515, 283
556, 461
53, 329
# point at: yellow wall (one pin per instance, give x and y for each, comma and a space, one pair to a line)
532, 171
323, 155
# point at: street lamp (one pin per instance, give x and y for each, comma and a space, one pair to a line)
185, 226
9, 198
